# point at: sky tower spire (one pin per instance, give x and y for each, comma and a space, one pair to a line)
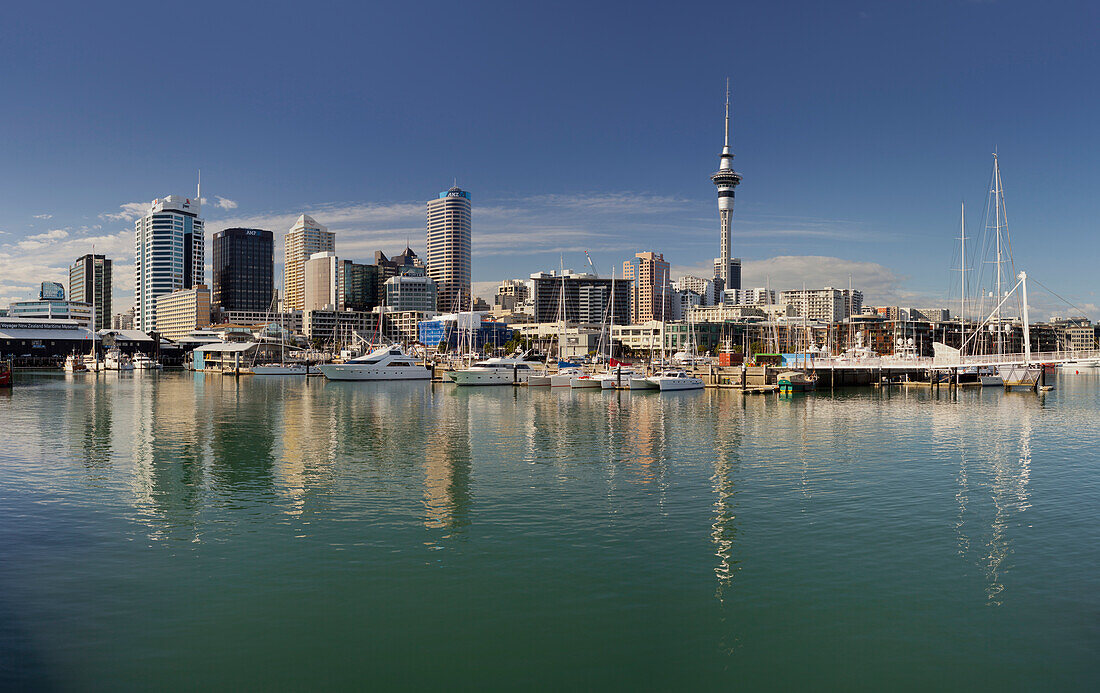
726, 267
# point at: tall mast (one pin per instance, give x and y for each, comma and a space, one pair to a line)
997, 234
962, 276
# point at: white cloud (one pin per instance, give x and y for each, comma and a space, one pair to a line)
225, 203
43, 216
55, 234
128, 212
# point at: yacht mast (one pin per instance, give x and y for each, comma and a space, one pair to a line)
962, 276
997, 234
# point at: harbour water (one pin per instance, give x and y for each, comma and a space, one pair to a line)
187, 531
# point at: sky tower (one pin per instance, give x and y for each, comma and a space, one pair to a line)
727, 268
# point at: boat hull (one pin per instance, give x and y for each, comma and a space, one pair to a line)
643, 384
538, 381
485, 377
585, 382
350, 371
671, 384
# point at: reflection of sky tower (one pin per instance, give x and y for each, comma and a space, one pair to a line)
727, 268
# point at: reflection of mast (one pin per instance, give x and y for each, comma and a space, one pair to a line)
1007, 483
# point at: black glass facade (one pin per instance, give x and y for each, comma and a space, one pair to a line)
360, 283
244, 269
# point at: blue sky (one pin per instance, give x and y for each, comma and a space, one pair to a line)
859, 128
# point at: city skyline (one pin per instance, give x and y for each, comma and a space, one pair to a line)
855, 154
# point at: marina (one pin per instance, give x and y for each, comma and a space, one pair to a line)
698, 533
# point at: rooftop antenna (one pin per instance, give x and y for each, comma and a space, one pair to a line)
727, 144
198, 189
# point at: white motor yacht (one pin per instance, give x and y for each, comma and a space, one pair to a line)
144, 363
387, 363
74, 363
115, 360
676, 380
496, 371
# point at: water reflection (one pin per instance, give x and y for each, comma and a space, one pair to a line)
999, 458
723, 529
447, 465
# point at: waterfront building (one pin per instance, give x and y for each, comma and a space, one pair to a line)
403, 325
586, 297
823, 305
575, 343
182, 311
448, 250
412, 291
90, 282
243, 276
360, 285
727, 270
649, 299
322, 288
291, 321
304, 239
336, 326
53, 309
470, 330
32, 336
169, 254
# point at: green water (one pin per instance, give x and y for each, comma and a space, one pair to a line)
182, 532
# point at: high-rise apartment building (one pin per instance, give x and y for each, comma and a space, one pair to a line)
705, 288
449, 249
90, 282
322, 288
586, 297
823, 305
650, 289
304, 239
169, 254
243, 270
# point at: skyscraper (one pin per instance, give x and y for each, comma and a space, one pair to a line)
727, 267
650, 297
243, 272
449, 249
90, 282
322, 287
304, 239
169, 254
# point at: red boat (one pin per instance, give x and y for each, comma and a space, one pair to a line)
5, 373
